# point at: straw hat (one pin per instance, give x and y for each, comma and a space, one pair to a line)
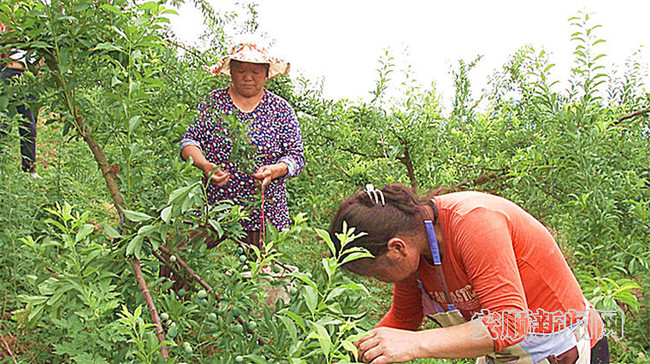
251, 51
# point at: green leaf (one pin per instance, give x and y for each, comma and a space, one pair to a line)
136, 216
353, 286
111, 232
169, 11
354, 254
324, 339
40, 44
326, 238
150, 6
133, 123
179, 194
134, 86
115, 81
165, 214
34, 300
216, 226
36, 312
297, 319
305, 278
55, 223
628, 299
330, 266
113, 9
356, 337
108, 47
310, 294
134, 246
349, 346
147, 230
290, 326
333, 294
256, 359
335, 308
85, 230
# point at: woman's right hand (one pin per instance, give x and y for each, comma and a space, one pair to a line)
219, 177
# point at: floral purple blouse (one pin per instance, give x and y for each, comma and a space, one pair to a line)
275, 132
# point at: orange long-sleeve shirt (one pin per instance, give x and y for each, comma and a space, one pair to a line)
495, 257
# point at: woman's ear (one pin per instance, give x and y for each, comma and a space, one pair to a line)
397, 248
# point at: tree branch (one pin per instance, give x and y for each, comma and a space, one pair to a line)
193, 52
479, 167
189, 270
152, 308
8, 349
341, 170
634, 114
480, 180
406, 161
352, 151
166, 262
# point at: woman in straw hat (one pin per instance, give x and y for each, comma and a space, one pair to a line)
273, 129
485, 270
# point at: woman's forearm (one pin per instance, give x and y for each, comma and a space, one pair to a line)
384, 345
194, 152
468, 340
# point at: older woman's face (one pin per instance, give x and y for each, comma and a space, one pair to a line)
248, 78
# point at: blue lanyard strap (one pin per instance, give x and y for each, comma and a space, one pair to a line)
433, 242
435, 253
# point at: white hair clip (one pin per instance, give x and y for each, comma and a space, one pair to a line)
374, 194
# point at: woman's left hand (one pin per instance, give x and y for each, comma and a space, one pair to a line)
386, 345
266, 174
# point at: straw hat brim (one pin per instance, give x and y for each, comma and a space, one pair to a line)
250, 52
277, 67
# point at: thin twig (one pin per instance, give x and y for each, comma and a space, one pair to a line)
342, 171
479, 167
352, 151
166, 262
480, 180
189, 270
147, 297
631, 115
8, 349
193, 52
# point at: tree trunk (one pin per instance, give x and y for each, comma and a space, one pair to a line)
102, 162
110, 176
406, 161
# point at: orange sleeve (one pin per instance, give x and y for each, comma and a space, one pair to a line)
484, 245
406, 310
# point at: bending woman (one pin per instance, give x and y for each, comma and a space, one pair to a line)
479, 265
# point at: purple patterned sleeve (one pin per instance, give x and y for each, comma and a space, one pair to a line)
291, 142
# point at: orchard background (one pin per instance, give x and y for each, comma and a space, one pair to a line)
81, 249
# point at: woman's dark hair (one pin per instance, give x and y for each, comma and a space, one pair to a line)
401, 215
